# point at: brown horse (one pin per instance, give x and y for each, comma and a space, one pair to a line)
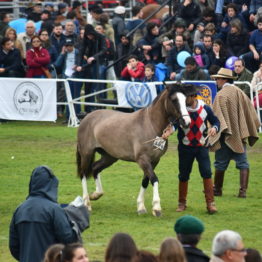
117, 135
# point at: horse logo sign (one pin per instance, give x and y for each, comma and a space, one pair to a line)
28, 98
138, 95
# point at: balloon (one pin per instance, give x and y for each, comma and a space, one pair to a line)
230, 62
181, 57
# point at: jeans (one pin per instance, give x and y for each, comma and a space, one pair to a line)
225, 154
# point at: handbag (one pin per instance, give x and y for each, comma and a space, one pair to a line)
47, 72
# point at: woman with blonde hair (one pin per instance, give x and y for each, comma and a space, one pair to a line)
11, 33
171, 250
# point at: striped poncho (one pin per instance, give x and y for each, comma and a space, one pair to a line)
238, 119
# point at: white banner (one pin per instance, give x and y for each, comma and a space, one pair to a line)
28, 99
135, 94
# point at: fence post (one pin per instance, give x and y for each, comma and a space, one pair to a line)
73, 120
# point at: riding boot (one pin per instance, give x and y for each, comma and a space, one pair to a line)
218, 182
182, 196
244, 175
209, 195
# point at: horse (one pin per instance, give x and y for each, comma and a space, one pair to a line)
129, 136
149, 9
28, 96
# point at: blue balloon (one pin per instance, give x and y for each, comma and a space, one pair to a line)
230, 62
181, 57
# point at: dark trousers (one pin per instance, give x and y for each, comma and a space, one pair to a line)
187, 155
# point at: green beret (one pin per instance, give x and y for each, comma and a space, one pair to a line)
189, 225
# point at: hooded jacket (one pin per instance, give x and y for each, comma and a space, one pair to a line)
39, 221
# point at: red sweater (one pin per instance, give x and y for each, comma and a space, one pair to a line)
35, 59
138, 73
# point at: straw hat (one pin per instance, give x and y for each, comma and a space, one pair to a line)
224, 73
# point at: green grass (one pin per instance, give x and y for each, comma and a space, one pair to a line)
25, 145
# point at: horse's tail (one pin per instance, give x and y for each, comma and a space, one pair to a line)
84, 166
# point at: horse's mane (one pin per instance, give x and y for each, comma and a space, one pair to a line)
186, 89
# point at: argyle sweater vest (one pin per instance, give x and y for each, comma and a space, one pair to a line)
197, 131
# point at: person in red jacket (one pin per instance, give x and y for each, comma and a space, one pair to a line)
134, 70
37, 59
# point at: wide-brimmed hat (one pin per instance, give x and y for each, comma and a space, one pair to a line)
224, 73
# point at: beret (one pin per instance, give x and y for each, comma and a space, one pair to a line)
189, 225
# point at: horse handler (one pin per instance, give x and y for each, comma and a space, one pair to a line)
192, 145
239, 124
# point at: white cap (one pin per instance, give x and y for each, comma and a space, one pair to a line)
120, 10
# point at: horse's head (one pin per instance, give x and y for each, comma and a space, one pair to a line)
176, 102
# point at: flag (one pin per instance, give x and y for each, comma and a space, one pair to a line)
28, 99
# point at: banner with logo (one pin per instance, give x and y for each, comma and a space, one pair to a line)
28, 99
135, 94
208, 90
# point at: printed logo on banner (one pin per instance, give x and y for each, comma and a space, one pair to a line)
206, 94
138, 95
28, 98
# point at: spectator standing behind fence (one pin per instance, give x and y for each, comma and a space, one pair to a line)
134, 70
37, 59
255, 46
39, 221
228, 246
46, 43
149, 45
192, 71
58, 38
10, 60
4, 20
47, 22
171, 251
121, 248
118, 22
190, 11
172, 62
123, 50
219, 54
242, 74
253, 255
189, 230
239, 124
11, 34
92, 62
26, 37
66, 63
237, 38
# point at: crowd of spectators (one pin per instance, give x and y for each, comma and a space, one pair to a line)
103, 44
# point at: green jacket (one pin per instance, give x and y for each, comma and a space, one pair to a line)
246, 75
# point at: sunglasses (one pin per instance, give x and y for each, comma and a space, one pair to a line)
243, 250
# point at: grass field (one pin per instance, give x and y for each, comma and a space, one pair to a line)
25, 145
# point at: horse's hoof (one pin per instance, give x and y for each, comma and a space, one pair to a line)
95, 195
156, 213
141, 211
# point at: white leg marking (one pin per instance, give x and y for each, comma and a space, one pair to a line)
99, 189
156, 200
140, 201
182, 102
85, 194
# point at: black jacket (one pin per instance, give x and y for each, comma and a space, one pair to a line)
194, 254
39, 221
11, 61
